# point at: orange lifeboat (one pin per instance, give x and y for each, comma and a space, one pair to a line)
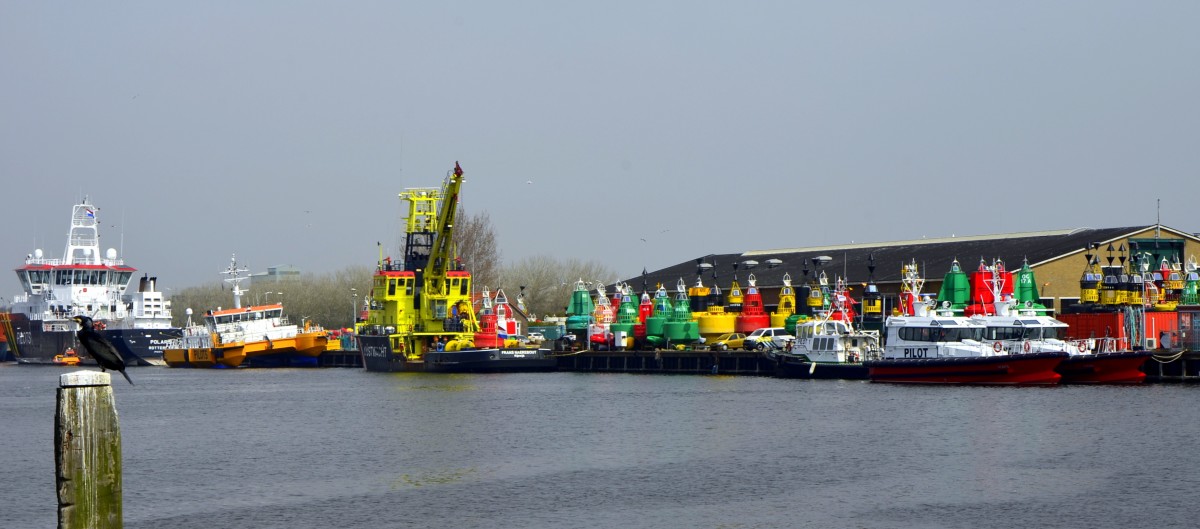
68, 358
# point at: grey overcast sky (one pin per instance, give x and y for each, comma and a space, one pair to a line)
283, 131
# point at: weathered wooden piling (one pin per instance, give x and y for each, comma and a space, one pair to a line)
87, 452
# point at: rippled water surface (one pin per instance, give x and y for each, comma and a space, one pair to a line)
321, 448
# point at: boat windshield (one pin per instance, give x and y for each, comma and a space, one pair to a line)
1023, 333
941, 334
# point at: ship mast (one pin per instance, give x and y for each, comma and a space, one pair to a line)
83, 238
233, 272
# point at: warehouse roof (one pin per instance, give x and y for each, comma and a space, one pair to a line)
850, 261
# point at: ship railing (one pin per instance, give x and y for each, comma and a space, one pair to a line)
55, 261
191, 341
279, 333
58, 327
1106, 345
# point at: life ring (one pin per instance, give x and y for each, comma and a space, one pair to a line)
1082, 347
1027, 347
997, 347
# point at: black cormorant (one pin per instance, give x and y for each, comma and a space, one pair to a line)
99, 347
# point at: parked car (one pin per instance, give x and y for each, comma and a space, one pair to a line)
536, 337
727, 341
767, 338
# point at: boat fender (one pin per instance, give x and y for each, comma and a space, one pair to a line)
1027, 347
997, 347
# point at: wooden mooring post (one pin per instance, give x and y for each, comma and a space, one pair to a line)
87, 452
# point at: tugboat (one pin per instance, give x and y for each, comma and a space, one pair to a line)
421, 315
1017, 322
85, 282
255, 336
925, 346
829, 346
68, 358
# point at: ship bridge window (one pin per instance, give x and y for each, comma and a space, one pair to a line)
928, 334
408, 285
1004, 333
391, 287
466, 287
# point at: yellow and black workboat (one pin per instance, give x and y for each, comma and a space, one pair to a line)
421, 315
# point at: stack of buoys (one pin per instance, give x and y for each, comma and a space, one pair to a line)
506, 325
842, 304
787, 306
715, 320
656, 333
645, 308
956, 290
1191, 284
487, 335
625, 328
816, 300
602, 318
1025, 292
698, 298
986, 283
753, 315
579, 311
680, 328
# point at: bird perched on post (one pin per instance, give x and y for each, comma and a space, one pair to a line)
99, 347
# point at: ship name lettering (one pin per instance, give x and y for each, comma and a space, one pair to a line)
916, 352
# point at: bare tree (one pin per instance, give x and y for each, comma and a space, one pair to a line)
326, 300
475, 240
549, 281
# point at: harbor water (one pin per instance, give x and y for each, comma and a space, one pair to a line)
320, 448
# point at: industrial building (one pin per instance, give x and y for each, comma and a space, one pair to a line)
1058, 259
